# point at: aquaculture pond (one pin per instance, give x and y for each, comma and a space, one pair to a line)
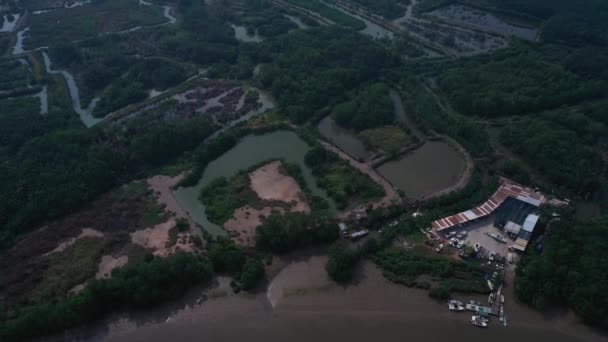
249, 151
345, 139
485, 21
433, 167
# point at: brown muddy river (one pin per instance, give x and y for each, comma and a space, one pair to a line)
309, 307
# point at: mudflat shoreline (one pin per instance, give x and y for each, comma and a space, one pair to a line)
311, 307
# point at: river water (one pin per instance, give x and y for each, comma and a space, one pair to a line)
18, 48
313, 308
249, 151
345, 139
9, 26
432, 167
86, 114
240, 33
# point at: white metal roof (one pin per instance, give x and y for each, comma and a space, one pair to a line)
530, 223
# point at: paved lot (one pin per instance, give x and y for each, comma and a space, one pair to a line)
476, 234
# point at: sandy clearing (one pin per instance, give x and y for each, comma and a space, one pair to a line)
156, 239
108, 263
163, 188
271, 184
76, 289
391, 196
86, 232
244, 222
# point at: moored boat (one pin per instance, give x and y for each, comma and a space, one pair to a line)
454, 307
478, 322
498, 238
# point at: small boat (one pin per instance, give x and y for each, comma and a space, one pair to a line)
498, 238
439, 248
454, 307
483, 318
455, 302
478, 322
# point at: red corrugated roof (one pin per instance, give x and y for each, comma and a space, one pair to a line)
507, 189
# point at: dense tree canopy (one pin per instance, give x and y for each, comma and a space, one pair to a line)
516, 85
317, 67
569, 271
370, 108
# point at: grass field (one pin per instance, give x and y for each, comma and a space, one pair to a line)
388, 139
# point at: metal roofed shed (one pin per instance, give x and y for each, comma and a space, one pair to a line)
512, 228
526, 233
530, 223
508, 189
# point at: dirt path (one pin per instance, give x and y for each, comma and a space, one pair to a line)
86, 232
391, 196
466, 175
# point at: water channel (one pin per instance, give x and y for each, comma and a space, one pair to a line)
433, 167
249, 151
240, 33
18, 48
297, 21
86, 114
345, 139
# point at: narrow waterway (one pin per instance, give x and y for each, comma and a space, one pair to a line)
86, 114
346, 139
18, 48
250, 151
401, 115
297, 21
44, 100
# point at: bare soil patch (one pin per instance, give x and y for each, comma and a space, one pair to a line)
156, 239
162, 186
244, 222
29, 264
86, 232
109, 263
273, 186
270, 183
